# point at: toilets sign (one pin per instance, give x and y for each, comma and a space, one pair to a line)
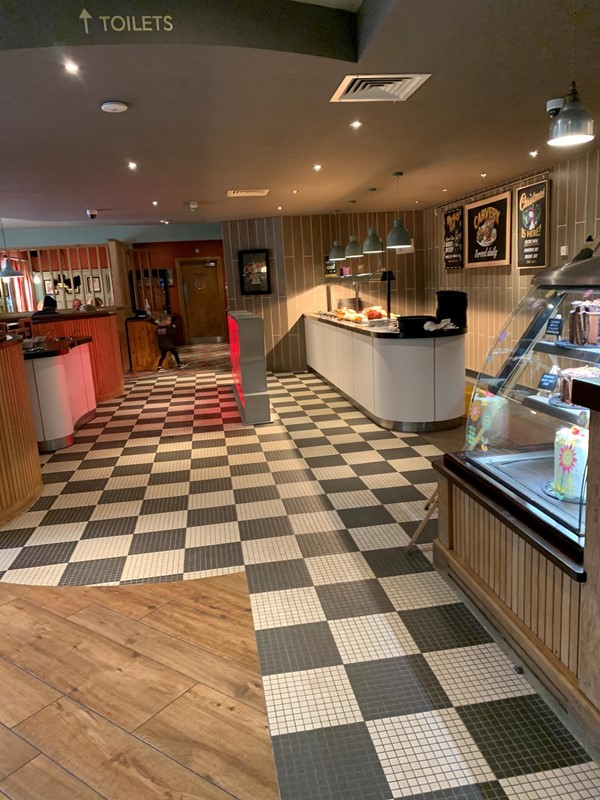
129, 23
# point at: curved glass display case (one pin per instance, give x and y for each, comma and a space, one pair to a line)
523, 431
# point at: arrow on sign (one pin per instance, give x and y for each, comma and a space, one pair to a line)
85, 16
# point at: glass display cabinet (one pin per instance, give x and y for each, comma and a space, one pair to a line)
524, 433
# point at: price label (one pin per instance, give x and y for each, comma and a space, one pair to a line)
547, 382
555, 326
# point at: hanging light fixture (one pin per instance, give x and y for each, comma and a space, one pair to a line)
571, 124
337, 251
7, 270
373, 242
353, 248
398, 238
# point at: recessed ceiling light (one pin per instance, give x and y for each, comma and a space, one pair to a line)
484, 174
71, 67
132, 165
114, 106
356, 124
294, 191
444, 190
165, 221
279, 208
533, 153
417, 202
317, 167
155, 202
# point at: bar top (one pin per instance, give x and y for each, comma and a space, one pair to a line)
55, 317
55, 347
379, 333
10, 341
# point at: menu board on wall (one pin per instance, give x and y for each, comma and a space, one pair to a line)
488, 228
453, 238
532, 224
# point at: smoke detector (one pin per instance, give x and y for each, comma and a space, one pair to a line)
114, 106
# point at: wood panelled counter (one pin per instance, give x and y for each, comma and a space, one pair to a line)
20, 473
142, 343
105, 352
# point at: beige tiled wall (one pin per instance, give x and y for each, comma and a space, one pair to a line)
494, 291
298, 247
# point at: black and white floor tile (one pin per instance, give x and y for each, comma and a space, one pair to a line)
379, 683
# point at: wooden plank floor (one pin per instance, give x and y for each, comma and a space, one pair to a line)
132, 693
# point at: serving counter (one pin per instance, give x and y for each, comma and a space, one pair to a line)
105, 354
20, 473
402, 383
61, 389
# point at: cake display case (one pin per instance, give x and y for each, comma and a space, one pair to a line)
523, 430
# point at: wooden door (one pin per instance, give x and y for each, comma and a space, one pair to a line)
202, 293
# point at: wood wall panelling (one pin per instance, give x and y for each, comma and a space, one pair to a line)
541, 595
20, 473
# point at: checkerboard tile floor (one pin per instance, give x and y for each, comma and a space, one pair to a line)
379, 683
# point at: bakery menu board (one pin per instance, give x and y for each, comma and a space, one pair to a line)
453, 238
532, 224
488, 228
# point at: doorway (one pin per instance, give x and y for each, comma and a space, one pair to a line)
202, 294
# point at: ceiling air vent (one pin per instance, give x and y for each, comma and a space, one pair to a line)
247, 192
378, 88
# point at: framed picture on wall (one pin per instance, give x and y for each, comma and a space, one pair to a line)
532, 225
488, 230
95, 283
49, 287
255, 275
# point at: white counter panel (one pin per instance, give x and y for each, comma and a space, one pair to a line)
49, 393
364, 387
449, 377
403, 379
345, 361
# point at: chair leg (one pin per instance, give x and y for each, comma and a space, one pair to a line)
432, 503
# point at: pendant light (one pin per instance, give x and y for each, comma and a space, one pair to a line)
572, 125
353, 248
7, 270
373, 242
337, 251
398, 238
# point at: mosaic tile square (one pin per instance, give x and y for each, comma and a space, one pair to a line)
278, 575
353, 599
316, 698
428, 752
275, 548
519, 735
150, 565
265, 528
330, 763
157, 540
372, 637
108, 547
228, 554
338, 568
287, 607
296, 647
89, 573
325, 543
366, 515
578, 782
444, 627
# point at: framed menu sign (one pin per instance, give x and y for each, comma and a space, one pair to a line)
488, 231
453, 238
532, 224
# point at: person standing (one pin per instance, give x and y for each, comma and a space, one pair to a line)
165, 333
48, 307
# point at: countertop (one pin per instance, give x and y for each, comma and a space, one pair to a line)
378, 333
10, 341
586, 393
55, 347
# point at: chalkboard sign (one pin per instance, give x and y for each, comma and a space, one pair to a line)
453, 238
548, 382
532, 224
488, 224
555, 326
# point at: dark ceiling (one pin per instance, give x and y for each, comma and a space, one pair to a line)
205, 118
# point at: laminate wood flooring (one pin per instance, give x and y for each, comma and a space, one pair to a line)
132, 693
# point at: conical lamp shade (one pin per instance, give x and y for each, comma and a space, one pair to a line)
398, 237
353, 248
9, 271
337, 252
373, 243
572, 125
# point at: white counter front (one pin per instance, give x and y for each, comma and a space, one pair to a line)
401, 383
